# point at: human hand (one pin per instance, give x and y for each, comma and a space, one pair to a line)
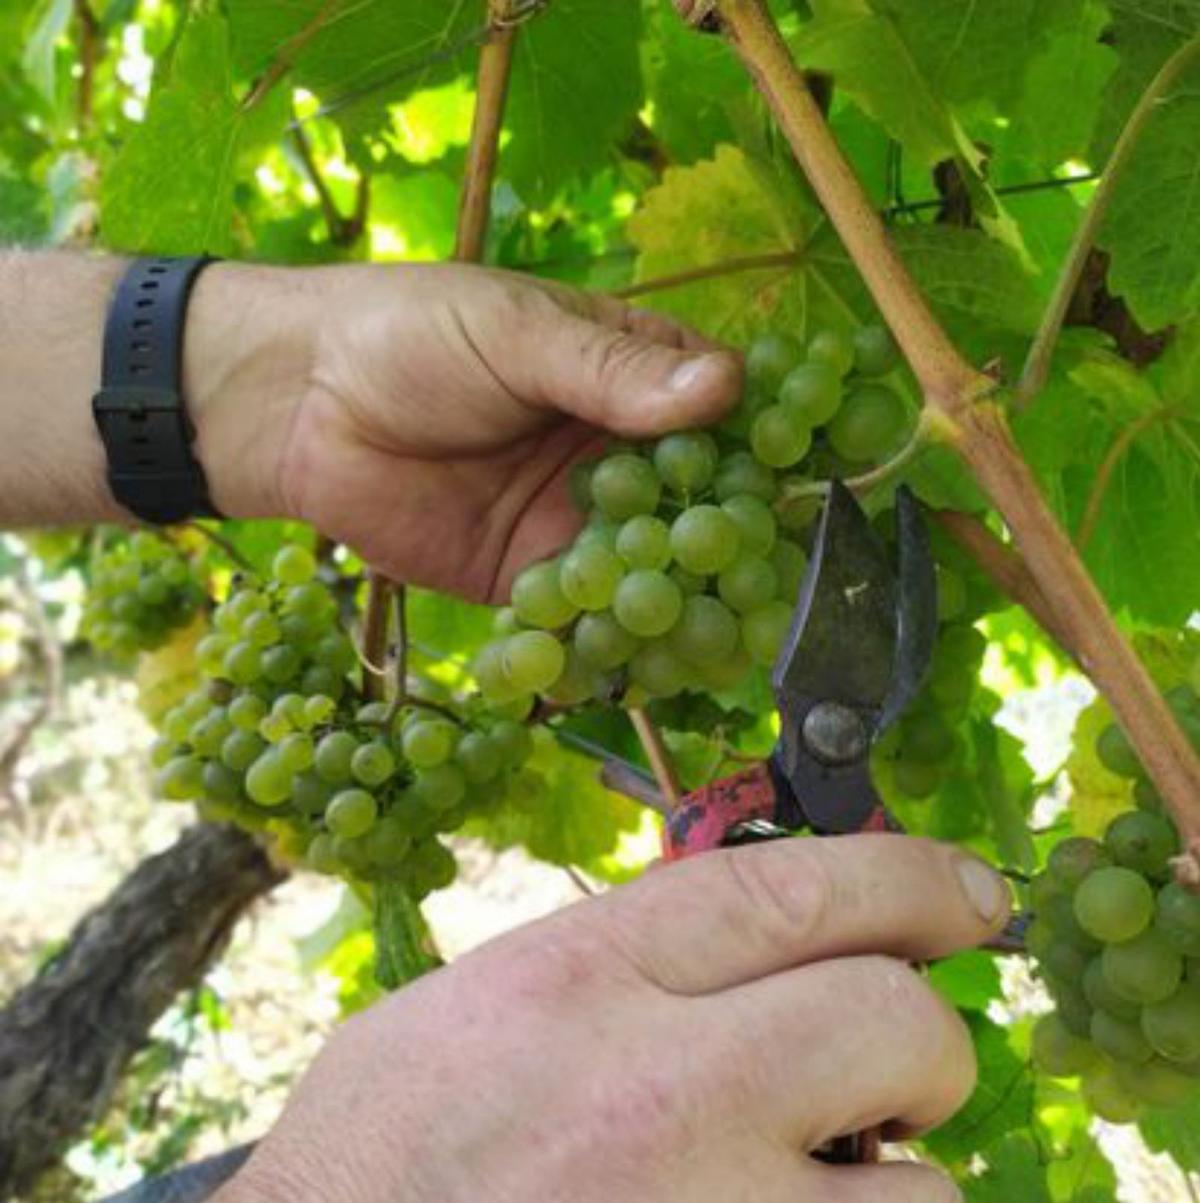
428, 415
686, 1039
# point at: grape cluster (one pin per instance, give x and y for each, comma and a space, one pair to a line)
140, 590
686, 572
277, 737
1118, 944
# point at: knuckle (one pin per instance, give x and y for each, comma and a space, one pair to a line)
935, 1034
546, 971
787, 897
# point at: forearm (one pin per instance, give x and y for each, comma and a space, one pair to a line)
246, 349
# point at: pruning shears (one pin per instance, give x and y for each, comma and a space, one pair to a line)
857, 653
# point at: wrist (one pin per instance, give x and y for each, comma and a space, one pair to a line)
248, 349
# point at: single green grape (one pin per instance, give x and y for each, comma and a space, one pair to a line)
335, 652
834, 348
577, 683
1173, 1026
1146, 969
1177, 916
479, 757
538, 599
181, 779
268, 781
764, 630
812, 394
221, 784
388, 842
441, 787
777, 439
875, 351
1114, 904
310, 795
281, 663
293, 565
647, 603
601, 642
871, 424
658, 670
261, 629
1065, 961
351, 813
372, 764
333, 756
686, 461
1103, 997
1120, 1040
1073, 859
625, 485
706, 630
429, 742
704, 540
1143, 842
770, 357
755, 522
242, 663
739, 474
513, 741
1116, 753
210, 732
1058, 1052
1108, 1098
645, 542
589, 576
747, 584
533, 660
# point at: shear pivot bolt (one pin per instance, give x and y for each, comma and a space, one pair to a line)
835, 734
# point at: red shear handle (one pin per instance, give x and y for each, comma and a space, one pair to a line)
708, 814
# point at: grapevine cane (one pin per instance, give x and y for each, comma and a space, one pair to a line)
956, 397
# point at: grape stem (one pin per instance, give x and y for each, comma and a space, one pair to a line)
658, 756
960, 400
921, 438
1037, 363
373, 649
220, 541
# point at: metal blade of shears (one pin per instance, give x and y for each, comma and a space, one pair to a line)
858, 649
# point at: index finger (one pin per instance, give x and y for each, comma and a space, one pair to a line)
739, 914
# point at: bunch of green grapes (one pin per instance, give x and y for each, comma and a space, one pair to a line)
140, 591
1118, 945
687, 570
278, 737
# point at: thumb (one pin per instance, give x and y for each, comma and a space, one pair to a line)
638, 380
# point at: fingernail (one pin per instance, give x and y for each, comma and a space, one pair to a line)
690, 373
987, 891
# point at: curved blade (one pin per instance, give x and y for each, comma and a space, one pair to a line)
842, 642
862, 636
916, 612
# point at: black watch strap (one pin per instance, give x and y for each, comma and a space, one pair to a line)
140, 409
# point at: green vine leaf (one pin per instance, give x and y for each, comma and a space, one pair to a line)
1002, 1102
1153, 226
186, 153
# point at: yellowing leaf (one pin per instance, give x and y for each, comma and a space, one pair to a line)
164, 677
